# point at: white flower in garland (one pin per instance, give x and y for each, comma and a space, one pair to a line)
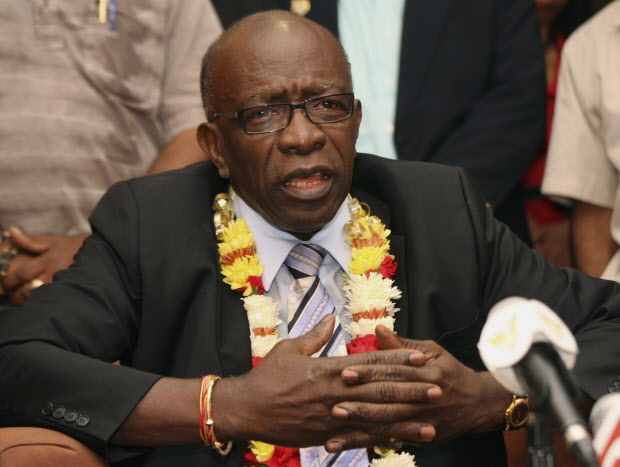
262, 311
363, 327
372, 292
395, 460
261, 345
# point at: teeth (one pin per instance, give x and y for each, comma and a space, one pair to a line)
307, 183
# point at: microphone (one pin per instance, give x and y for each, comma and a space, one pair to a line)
529, 350
605, 422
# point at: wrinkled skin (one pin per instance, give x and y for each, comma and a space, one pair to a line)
466, 401
295, 409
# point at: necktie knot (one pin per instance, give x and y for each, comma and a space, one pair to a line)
304, 260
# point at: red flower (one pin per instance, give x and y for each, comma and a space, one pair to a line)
362, 344
250, 459
282, 457
256, 360
257, 284
388, 267
285, 457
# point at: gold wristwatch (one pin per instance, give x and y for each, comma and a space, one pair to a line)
516, 414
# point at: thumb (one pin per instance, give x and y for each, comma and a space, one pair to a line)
316, 338
388, 340
26, 242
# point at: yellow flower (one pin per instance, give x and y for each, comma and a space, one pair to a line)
367, 259
365, 228
236, 236
262, 451
237, 273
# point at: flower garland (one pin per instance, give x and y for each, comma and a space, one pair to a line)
369, 294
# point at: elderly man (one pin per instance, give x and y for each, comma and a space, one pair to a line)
153, 288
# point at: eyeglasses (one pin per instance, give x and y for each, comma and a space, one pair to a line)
274, 117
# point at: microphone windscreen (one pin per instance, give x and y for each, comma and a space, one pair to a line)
605, 423
603, 408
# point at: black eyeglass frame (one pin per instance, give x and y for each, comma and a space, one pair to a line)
238, 115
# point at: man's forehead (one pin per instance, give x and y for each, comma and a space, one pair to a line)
263, 77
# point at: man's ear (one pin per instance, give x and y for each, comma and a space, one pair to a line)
208, 138
357, 115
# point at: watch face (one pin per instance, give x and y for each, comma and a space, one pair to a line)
519, 413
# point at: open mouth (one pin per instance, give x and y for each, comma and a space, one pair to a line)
308, 185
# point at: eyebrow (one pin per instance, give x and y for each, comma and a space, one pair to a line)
279, 96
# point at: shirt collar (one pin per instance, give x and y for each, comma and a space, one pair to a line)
273, 245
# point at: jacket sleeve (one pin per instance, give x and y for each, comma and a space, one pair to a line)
504, 130
55, 351
589, 306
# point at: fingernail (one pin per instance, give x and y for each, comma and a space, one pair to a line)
350, 376
334, 445
434, 393
427, 433
340, 412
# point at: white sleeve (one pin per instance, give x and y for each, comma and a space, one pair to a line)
578, 166
191, 27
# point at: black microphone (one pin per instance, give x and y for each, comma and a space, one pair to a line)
552, 390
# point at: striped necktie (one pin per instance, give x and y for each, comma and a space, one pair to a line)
303, 262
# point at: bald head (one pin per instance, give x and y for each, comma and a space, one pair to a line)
277, 31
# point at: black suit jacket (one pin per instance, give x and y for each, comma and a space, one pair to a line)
146, 288
470, 88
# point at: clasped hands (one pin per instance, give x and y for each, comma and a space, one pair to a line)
413, 391
37, 259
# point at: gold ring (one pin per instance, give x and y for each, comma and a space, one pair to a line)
36, 283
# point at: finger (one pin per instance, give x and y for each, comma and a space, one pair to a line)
27, 242
364, 374
313, 340
378, 413
394, 392
379, 357
19, 296
387, 338
23, 268
412, 432
27, 270
383, 393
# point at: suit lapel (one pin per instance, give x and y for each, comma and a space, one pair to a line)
234, 332
397, 247
230, 320
422, 27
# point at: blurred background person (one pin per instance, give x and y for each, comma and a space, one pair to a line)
584, 152
91, 92
548, 221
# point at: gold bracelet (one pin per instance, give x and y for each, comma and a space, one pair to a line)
207, 431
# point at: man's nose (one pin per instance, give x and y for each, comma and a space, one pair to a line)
301, 136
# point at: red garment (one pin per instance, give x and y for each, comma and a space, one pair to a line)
543, 210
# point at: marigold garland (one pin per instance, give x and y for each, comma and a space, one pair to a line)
369, 292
